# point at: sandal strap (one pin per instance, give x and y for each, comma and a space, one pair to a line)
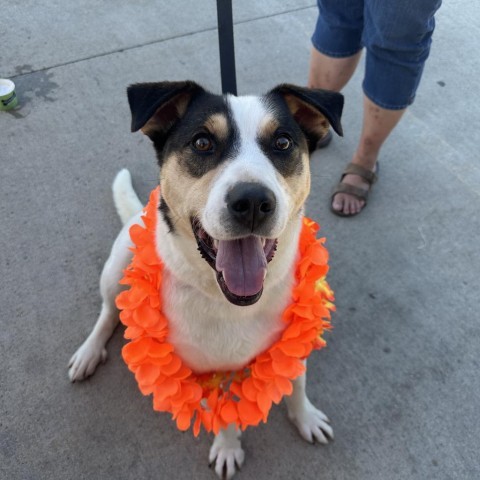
360, 193
354, 169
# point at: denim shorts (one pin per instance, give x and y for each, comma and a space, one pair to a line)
396, 34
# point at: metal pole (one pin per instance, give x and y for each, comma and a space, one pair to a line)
226, 45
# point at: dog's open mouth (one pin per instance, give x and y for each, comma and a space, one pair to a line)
241, 264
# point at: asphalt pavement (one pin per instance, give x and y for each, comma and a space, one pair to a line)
400, 376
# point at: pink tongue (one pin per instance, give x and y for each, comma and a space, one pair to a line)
243, 265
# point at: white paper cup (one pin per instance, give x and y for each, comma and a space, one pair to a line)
8, 97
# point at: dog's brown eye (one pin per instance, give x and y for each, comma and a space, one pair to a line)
283, 142
202, 143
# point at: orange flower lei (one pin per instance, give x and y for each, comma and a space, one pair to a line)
217, 399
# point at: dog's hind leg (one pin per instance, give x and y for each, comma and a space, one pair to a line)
312, 423
92, 351
226, 453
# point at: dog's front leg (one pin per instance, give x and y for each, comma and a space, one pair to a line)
312, 423
92, 351
226, 452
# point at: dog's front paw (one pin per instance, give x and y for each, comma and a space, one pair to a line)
85, 360
226, 453
312, 423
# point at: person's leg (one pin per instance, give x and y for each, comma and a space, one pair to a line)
336, 46
397, 36
337, 43
378, 123
331, 73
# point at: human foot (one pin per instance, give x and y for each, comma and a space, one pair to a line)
350, 195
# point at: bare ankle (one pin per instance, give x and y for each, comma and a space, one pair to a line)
367, 161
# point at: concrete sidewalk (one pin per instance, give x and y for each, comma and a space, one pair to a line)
399, 379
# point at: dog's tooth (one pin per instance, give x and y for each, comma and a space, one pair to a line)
264, 241
215, 244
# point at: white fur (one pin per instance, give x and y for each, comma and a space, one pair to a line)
124, 196
311, 422
249, 165
226, 452
207, 331
92, 351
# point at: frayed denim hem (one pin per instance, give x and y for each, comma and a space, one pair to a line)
335, 54
386, 106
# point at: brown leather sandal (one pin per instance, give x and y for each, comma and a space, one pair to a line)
360, 193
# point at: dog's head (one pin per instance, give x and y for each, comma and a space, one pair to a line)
234, 170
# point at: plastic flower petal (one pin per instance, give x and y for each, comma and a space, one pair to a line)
217, 399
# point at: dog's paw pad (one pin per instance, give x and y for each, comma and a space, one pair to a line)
85, 360
226, 456
313, 425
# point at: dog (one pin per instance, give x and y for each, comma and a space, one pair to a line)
234, 178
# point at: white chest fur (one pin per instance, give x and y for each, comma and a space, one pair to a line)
215, 335
207, 331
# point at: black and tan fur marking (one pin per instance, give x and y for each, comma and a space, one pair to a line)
160, 111
281, 124
313, 109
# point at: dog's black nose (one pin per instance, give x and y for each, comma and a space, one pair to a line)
251, 204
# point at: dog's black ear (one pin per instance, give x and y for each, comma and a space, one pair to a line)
156, 107
313, 109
